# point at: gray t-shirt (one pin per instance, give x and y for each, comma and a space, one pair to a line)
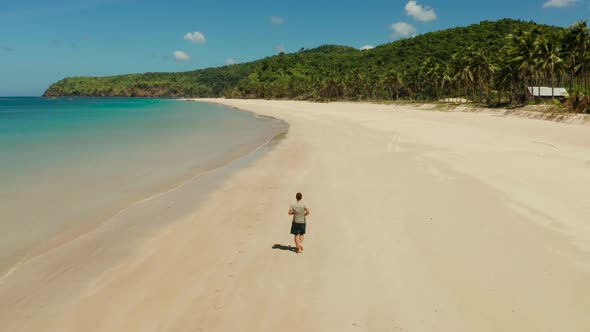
299, 216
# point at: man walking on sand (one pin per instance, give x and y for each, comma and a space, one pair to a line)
299, 212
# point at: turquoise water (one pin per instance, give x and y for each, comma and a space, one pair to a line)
68, 164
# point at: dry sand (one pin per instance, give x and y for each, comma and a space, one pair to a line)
421, 221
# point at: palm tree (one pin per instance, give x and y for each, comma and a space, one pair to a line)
576, 47
462, 74
521, 54
482, 70
428, 73
549, 58
581, 45
442, 74
392, 82
507, 77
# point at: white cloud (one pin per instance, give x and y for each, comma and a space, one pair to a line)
280, 48
425, 13
402, 29
181, 56
195, 37
277, 20
230, 61
366, 47
559, 3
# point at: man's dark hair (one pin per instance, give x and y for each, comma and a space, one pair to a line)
299, 196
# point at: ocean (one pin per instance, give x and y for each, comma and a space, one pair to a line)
69, 164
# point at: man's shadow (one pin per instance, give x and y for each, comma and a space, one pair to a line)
283, 247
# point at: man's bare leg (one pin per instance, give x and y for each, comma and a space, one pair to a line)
301, 238
297, 243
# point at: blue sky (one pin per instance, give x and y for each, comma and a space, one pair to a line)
42, 41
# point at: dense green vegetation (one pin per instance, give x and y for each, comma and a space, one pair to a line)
487, 62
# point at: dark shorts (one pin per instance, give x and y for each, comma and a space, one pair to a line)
297, 229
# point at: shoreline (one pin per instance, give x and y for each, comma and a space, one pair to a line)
52, 244
536, 112
76, 232
397, 197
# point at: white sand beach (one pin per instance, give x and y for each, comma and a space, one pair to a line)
420, 221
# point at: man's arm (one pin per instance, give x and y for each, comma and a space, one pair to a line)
291, 211
306, 211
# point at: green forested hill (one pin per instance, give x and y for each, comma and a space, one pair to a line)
481, 61
442, 45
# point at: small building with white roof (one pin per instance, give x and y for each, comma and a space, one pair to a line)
546, 92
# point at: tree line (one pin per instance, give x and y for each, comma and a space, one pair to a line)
490, 62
